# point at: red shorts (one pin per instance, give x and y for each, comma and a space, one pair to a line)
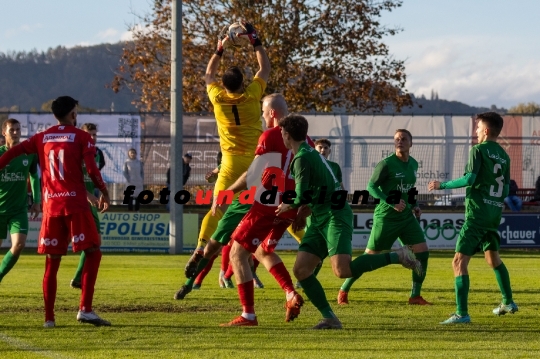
57, 232
260, 228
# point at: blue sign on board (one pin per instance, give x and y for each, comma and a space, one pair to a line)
520, 230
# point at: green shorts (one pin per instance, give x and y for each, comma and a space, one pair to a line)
329, 234
96, 218
385, 232
473, 238
17, 223
228, 223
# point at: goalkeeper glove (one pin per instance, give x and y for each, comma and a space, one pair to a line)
251, 34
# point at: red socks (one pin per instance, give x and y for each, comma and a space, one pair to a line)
283, 277
230, 271
246, 294
205, 271
49, 286
225, 250
89, 277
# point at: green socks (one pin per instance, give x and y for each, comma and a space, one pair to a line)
7, 263
369, 262
317, 269
78, 273
366, 263
418, 280
346, 286
503, 279
202, 263
462, 294
315, 292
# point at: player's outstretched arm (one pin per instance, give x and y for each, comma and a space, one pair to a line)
15, 151
467, 180
213, 64
264, 63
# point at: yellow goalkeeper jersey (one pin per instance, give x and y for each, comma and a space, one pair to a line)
238, 117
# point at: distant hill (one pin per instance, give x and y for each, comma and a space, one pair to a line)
424, 106
28, 79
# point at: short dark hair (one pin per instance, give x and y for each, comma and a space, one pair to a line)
9, 121
323, 141
63, 105
132, 150
296, 126
493, 121
232, 78
188, 155
404, 131
89, 127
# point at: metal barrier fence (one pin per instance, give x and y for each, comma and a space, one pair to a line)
440, 158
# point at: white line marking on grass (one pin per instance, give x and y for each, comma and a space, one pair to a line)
19, 344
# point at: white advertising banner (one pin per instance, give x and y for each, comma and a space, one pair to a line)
441, 231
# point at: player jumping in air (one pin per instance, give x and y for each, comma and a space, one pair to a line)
91, 128
66, 214
330, 231
397, 172
238, 118
487, 182
274, 107
13, 196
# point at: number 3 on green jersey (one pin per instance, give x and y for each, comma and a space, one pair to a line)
500, 182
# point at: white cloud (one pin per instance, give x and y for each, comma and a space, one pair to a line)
470, 70
110, 34
24, 28
126, 36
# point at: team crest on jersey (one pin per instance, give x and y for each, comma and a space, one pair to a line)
61, 127
25, 162
59, 137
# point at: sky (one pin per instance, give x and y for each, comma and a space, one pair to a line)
480, 52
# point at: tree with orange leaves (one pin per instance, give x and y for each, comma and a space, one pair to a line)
325, 54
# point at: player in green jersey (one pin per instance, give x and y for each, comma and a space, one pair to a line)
397, 172
330, 231
91, 128
322, 145
14, 196
487, 182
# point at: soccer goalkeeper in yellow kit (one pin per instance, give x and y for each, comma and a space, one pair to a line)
237, 109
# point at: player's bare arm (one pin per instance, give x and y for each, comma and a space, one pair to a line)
264, 63
213, 64
240, 184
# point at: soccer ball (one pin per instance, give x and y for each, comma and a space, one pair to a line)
235, 41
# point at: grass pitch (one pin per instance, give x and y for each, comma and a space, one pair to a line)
135, 293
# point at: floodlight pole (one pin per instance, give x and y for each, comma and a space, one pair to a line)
176, 238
